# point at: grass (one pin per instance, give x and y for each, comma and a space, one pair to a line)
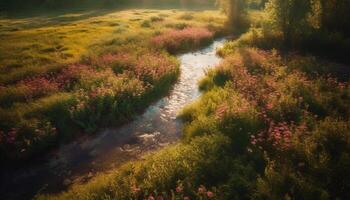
47, 43
74, 73
268, 126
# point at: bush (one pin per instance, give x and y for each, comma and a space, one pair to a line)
146, 24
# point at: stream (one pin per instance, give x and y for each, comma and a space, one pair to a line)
79, 161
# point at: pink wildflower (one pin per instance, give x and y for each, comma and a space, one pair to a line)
178, 189
160, 197
210, 194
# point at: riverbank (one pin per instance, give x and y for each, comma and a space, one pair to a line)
80, 72
79, 161
265, 128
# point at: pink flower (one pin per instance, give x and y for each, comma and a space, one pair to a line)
269, 106
151, 197
172, 40
186, 198
210, 194
178, 189
160, 198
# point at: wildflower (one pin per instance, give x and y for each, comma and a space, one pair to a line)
39, 86
202, 189
173, 40
210, 194
160, 197
178, 189
151, 197
269, 106
187, 198
253, 142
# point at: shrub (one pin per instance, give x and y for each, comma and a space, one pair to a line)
146, 24
111, 101
186, 16
156, 19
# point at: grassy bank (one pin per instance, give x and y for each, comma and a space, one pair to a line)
66, 75
269, 125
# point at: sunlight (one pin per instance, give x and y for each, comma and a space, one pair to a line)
174, 99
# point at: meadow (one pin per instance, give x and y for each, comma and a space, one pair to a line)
64, 75
271, 124
264, 129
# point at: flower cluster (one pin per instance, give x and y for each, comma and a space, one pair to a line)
176, 40
71, 74
283, 97
148, 67
19, 142
39, 86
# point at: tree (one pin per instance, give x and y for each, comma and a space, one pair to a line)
290, 17
335, 15
235, 11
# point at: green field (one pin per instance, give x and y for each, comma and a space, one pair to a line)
75, 72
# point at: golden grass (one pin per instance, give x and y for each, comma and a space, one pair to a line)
39, 44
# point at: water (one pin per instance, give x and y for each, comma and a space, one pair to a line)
79, 161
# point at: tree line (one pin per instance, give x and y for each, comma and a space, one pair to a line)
322, 26
8, 5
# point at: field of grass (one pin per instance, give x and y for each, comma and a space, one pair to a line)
269, 125
62, 75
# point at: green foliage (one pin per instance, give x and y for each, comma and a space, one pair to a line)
315, 26
318, 172
256, 4
146, 24
332, 15
236, 13
289, 173
290, 17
